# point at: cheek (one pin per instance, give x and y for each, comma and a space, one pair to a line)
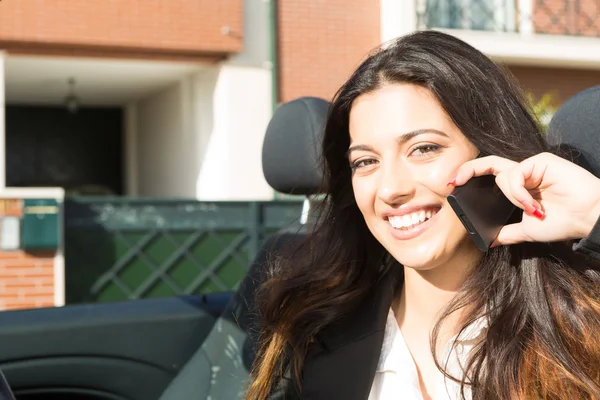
437, 176
439, 173
363, 195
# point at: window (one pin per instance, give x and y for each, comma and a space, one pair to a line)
486, 15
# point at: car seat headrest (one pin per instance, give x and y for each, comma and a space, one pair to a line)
292, 146
575, 129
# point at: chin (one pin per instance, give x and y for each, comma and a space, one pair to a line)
418, 263
429, 256
429, 251
420, 259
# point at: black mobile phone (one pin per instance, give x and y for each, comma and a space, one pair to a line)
482, 208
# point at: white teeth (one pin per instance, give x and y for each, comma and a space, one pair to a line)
415, 218
409, 220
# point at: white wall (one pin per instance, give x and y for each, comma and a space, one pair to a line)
398, 17
130, 163
241, 108
165, 144
236, 105
202, 137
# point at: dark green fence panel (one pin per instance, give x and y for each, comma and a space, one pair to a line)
120, 248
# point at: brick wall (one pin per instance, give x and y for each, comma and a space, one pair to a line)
567, 17
26, 279
152, 28
321, 42
564, 82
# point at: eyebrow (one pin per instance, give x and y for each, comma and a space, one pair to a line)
405, 137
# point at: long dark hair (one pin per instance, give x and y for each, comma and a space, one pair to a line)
542, 301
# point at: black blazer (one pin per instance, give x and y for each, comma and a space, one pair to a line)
342, 363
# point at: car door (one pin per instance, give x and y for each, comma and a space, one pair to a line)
113, 351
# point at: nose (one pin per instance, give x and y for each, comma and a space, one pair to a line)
396, 185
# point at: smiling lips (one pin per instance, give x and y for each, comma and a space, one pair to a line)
411, 220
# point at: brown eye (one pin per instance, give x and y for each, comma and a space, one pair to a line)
425, 150
362, 163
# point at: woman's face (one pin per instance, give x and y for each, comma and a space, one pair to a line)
404, 151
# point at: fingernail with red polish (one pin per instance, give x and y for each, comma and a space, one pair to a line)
539, 214
532, 210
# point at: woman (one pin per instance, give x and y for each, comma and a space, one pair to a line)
389, 298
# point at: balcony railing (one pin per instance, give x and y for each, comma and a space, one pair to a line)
555, 17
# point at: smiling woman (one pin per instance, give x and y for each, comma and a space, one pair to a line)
389, 297
404, 150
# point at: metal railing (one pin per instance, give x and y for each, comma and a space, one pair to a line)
132, 248
555, 17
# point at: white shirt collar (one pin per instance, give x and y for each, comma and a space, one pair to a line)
392, 340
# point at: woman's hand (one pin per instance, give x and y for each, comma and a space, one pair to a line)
560, 200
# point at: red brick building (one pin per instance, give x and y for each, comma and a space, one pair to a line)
180, 30
174, 93
550, 45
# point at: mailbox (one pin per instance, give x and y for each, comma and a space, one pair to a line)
40, 229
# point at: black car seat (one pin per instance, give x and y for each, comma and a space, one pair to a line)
220, 368
574, 130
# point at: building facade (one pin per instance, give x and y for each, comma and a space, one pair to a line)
138, 98
171, 98
551, 46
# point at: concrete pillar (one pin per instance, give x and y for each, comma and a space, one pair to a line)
526, 26
398, 18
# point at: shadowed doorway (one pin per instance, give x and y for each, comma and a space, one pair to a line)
81, 152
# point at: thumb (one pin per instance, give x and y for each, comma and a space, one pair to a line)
511, 234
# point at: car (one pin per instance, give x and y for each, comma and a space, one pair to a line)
201, 347
177, 348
